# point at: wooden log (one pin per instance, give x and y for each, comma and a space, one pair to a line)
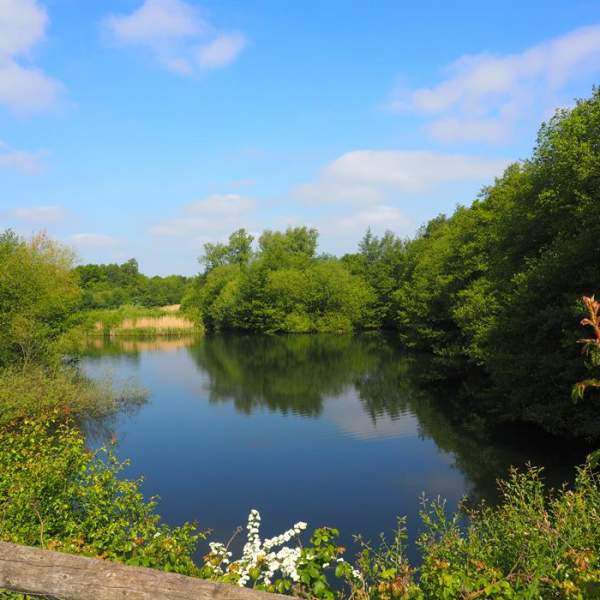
69, 577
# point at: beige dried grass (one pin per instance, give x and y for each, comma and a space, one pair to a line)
164, 323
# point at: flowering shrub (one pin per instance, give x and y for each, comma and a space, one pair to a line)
54, 493
271, 565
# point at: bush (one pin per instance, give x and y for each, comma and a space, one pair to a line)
40, 392
530, 546
56, 494
38, 293
284, 287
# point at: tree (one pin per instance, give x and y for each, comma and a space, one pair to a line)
38, 293
237, 251
239, 247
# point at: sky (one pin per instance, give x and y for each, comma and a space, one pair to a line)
146, 128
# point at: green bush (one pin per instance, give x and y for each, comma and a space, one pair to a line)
56, 494
112, 285
532, 545
40, 392
38, 293
284, 287
494, 285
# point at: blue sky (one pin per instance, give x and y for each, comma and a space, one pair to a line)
146, 128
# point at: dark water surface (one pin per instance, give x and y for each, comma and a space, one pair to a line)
326, 429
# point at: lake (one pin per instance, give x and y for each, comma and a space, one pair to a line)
328, 429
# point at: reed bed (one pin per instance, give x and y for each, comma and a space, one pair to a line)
160, 324
137, 321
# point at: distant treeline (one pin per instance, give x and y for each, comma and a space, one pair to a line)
493, 289
113, 285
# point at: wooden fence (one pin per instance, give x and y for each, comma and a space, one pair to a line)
67, 577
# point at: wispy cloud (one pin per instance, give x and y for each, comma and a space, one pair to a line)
27, 163
221, 51
379, 218
176, 33
485, 96
210, 219
368, 176
23, 89
94, 241
40, 214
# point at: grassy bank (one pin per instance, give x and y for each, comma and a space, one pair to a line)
57, 494
41, 392
138, 321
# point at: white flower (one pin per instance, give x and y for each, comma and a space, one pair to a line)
260, 554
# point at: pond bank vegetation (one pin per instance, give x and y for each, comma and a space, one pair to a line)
493, 288
135, 321
56, 494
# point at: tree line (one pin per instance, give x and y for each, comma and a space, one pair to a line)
113, 285
494, 288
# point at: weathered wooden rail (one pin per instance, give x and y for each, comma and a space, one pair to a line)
67, 577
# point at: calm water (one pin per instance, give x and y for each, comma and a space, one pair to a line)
326, 429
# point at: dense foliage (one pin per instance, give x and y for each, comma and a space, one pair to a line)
491, 289
38, 292
284, 286
494, 286
54, 493
112, 285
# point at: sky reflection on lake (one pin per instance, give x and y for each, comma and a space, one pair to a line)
325, 429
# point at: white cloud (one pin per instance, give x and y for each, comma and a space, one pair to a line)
485, 96
222, 51
22, 25
178, 36
94, 241
379, 218
220, 205
28, 163
368, 176
212, 218
40, 214
157, 22
23, 89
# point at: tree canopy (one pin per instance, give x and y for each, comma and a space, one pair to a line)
38, 293
113, 285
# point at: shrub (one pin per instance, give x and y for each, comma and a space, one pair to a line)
530, 546
56, 494
40, 392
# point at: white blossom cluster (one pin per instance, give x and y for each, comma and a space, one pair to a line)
260, 554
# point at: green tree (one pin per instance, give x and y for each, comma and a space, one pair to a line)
38, 293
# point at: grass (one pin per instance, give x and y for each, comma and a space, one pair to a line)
136, 321
38, 392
